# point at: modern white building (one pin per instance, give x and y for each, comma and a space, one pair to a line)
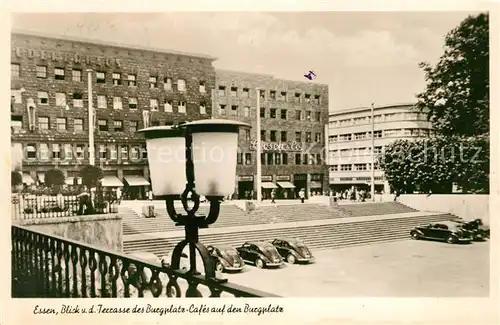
349, 142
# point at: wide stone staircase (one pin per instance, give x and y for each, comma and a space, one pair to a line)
374, 209
333, 234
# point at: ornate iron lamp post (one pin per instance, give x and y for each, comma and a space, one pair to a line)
189, 160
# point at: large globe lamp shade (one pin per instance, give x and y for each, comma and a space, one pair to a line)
214, 150
166, 147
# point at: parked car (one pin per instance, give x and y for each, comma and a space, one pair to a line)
293, 250
448, 231
261, 254
476, 227
226, 258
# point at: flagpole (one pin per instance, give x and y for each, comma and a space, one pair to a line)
258, 149
372, 189
91, 119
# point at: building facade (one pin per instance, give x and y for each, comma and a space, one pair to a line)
132, 88
293, 117
349, 142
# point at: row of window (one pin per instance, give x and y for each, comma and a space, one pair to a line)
102, 102
353, 167
41, 151
380, 134
283, 136
403, 116
355, 152
273, 113
280, 158
273, 95
116, 78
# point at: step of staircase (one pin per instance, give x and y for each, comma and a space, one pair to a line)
374, 208
316, 237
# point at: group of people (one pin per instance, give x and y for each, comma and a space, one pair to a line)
353, 194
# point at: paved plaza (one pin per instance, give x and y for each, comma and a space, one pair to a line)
397, 269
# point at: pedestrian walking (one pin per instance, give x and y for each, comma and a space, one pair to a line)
273, 196
118, 195
302, 195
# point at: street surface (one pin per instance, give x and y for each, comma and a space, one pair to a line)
397, 269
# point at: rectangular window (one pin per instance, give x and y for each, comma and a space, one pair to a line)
308, 115
68, 151
167, 83
102, 125
59, 73
262, 93
203, 108
273, 136
377, 134
56, 151
262, 158
316, 99
60, 99
101, 101
132, 80
78, 124
134, 153
345, 168
298, 115
16, 124
153, 104
222, 109
222, 91
113, 152
270, 158
262, 135
234, 110
43, 123
283, 114
283, 136
317, 137
360, 167
133, 126
245, 93
77, 100
277, 158
297, 97
202, 87
334, 168
124, 152
307, 98
283, 96
246, 111
153, 82
181, 85
43, 98
272, 113
15, 70
298, 136
44, 151
61, 123
318, 159
345, 137
76, 75
308, 137
272, 94
298, 159
305, 159
239, 158
248, 158
360, 136
31, 151
117, 103
234, 92
132, 103
318, 116
168, 106
100, 77
182, 107
247, 134
284, 158
262, 112
41, 71
102, 151
16, 96
118, 126
80, 151
117, 79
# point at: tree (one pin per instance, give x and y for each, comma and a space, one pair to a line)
91, 175
16, 179
456, 97
54, 178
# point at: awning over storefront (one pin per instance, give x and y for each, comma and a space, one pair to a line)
286, 185
70, 180
111, 181
316, 185
135, 180
27, 179
41, 177
268, 185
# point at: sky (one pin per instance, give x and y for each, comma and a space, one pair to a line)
364, 57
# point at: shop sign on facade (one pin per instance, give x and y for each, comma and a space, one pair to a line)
283, 178
266, 178
245, 178
277, 146
66, 57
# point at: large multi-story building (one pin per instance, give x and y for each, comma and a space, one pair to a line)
349, 142
293, 117
130, 86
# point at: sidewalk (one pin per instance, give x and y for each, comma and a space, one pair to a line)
220, 230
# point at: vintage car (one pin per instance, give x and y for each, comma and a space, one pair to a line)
262, 254
476, 227
448, 231
226, 258
293, 250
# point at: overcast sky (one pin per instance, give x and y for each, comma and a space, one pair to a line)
363, 57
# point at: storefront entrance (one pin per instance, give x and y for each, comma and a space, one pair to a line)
285, 188
300, 182
316, 185
245, 188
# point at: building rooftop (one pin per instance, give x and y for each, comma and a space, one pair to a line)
367, 108
269, 76
108, 43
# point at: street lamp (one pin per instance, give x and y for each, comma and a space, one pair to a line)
186, 161
31, 108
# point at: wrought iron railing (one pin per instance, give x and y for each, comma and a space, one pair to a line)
34, 206
55, 267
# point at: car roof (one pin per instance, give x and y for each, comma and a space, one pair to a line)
447, 223
223, 247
